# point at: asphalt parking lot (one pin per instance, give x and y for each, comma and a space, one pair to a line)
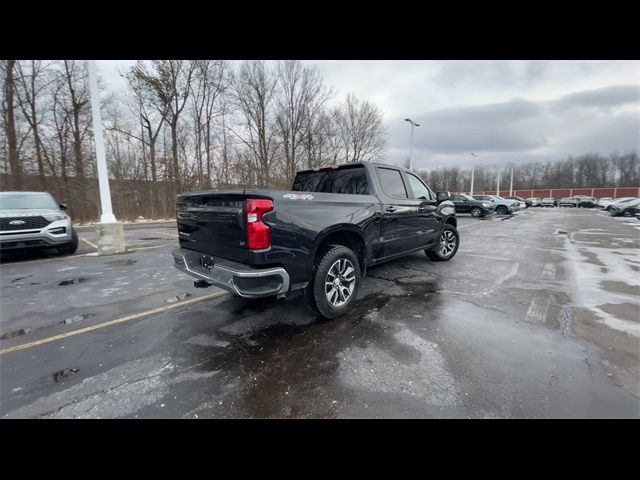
536, 317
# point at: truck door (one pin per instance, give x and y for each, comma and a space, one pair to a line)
428, 223
461, 203
399, 213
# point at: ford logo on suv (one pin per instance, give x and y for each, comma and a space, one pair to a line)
17, 222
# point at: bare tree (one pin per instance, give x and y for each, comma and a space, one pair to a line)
361, 130
9, 119
32, 85
301, 99
253, 94
211, 82
170, 82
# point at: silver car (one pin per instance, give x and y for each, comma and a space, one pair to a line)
503, 206
35, 220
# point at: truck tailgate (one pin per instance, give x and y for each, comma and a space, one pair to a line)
213, 223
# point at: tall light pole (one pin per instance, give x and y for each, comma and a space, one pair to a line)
473, 170
109, 231
511, 185
413, 124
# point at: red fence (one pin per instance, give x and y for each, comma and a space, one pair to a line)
570, 192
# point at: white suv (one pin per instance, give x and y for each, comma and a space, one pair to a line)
35, 220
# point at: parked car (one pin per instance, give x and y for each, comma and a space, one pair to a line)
523, 202
467, 204
585, 201
35, 219
533, 201
320, 237
618, 201
569, 202
502, 205
548, 202
604, 202
626, 209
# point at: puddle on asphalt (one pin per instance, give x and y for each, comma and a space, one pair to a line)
150, 238
126, 262
282, 366
14, 333
62, 374
72, 281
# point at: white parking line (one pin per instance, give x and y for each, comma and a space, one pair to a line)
89, 243
469, 224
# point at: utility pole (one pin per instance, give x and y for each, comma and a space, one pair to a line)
109, 231
413, 124
511, 186
473, 169
498, 185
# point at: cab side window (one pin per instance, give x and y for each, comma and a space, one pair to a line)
392, 183
420, 190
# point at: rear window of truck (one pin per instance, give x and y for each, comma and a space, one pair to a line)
351, 180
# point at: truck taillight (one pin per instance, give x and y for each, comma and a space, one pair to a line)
258, 234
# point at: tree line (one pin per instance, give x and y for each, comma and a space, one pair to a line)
589, 170
190, 124
179, 125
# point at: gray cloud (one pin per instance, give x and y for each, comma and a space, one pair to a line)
599, 98
523, 130
510, 126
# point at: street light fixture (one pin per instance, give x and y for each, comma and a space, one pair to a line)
413, 124
473, 169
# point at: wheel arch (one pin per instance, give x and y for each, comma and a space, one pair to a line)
347, 235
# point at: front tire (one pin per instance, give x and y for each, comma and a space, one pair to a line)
501, 210
71, 247
334, 283
447, 246
476, 212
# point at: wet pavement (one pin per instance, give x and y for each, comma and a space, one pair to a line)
536, 317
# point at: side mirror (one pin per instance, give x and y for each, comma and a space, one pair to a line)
442, 196
63, 206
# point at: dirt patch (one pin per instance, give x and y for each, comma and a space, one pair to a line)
62, 374
77, 318
620, 287
14, 333
17, 279
592, 258
624, 311
72, 281
126, 262
178, 298
620, 349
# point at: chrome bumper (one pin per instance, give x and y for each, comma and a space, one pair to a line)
232, 276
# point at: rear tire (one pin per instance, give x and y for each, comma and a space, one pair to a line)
334, 284
71, 247
501, 210
447, 246
476, 212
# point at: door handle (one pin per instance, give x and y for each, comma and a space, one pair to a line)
391, 208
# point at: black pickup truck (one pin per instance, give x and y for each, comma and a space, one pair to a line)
320, 237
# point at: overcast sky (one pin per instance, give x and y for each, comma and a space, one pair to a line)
504, 111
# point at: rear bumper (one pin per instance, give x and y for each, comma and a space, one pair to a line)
234, 277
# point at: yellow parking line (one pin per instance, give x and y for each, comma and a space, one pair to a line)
109, 323
89, 243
